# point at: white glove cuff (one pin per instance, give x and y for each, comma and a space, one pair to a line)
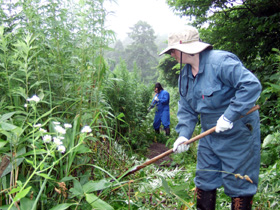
226, 119
223, 124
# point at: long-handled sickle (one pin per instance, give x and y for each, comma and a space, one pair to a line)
168, 152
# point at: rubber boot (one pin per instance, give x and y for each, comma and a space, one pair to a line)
157, 131
205, 200
242, 203
167, 131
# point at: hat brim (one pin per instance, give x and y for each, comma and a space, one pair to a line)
190, 48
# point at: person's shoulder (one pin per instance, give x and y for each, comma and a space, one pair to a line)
218, 56
218, 53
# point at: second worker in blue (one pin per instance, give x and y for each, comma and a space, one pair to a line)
162, 115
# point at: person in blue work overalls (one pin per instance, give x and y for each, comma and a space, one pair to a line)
215, 85
162, 116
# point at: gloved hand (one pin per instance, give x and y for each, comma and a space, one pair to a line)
149, 109
178, 147
156, 98
223, 124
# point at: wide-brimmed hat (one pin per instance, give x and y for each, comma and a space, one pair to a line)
186, 41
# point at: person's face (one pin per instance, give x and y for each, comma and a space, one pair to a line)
177, 55
156, 90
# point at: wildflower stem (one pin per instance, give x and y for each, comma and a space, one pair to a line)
50, 167
55, 162
41, 190
29, 178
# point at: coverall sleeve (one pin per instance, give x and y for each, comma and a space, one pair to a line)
165, 98
187, 118
248, 88
153, 102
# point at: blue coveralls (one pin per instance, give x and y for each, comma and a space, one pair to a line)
162, 112
222, 86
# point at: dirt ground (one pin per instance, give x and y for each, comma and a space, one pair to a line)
156, 149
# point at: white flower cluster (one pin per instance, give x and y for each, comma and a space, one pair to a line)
37, 125
60, 130
86, 129
57, 140
47, 138
34, 98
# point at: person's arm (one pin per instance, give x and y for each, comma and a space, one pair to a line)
185, 127
187, 119
248, 88
165, 98
155, 99
153, 102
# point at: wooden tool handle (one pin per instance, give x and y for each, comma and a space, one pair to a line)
168, 152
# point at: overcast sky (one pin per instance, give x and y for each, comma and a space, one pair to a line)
155, 12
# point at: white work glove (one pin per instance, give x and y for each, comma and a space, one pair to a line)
178, 147
223, 124
156, 98
149, 109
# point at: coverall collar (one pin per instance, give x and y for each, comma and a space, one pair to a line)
188, 68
